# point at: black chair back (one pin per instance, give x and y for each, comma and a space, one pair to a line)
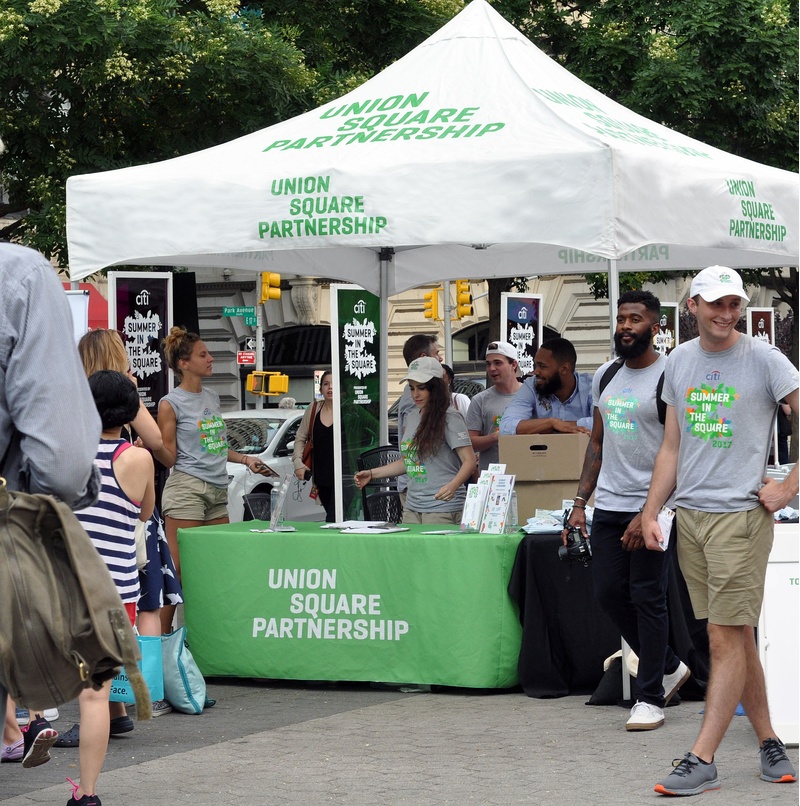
384, 506
257, 507
369, 460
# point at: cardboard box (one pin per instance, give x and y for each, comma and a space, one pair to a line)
547, 467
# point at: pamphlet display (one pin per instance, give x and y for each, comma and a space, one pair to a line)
490, 502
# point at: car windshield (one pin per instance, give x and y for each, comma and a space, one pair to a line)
251, 436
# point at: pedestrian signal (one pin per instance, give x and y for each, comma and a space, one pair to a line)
267, 383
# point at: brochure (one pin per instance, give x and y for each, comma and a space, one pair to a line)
495, 514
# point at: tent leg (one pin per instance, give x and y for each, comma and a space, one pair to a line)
383, 345
613, 299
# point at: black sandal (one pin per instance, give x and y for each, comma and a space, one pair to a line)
72, 738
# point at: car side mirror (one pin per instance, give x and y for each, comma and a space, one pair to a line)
287, 450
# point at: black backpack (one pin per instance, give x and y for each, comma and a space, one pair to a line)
615, 368
63, 626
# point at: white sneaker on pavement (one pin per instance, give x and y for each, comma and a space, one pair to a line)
51, 714
672, 682
645, 716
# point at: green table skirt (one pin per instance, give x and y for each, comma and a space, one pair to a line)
319, 605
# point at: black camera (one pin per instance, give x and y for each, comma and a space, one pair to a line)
578, 547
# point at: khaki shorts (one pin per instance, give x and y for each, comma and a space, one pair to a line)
187, 498
446, 518
723, 558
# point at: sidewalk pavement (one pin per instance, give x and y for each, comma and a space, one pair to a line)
277, 742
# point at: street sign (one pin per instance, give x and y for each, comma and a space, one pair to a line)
246, 358
250, 344
251, 320
240, 310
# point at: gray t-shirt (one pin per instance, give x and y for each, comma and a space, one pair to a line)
726, 404
425, 477
201, 435
485, 411
632, 435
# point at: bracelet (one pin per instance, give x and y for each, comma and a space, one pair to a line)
579, 506
580, 498
370, 474
244, 460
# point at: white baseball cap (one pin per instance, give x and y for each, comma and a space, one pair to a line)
716, 282
423, 369
502, 348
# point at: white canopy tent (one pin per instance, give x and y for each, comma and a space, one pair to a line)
473, 156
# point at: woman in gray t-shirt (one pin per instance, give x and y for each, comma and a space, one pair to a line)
437, 451
193, 433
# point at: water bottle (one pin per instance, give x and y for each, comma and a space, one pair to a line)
274, 498
513, 513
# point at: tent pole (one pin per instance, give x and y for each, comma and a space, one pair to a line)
613, 298
383, 351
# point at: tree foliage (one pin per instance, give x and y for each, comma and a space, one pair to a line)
91, 85
721, 71
348, 41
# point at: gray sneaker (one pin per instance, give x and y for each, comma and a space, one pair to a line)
690, 777
775, 765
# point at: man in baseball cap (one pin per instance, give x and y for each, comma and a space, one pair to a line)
716, 282
722, 390
487, 407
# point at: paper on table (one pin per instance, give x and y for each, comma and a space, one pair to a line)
374, 530
352, 524
665, 520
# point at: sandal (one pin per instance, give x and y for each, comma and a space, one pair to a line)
72, 737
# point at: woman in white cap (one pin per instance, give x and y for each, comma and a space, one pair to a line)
437, 451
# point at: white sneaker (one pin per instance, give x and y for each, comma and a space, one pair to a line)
645, 716
672, 682
50, 714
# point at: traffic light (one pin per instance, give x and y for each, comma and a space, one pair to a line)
432, 304
463, 299
267, 383
270, 286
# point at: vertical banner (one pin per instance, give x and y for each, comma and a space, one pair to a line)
140, 308
521, 325
667, 338
761, 324
355, 322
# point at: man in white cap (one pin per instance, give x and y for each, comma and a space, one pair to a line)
722, 391
487, 407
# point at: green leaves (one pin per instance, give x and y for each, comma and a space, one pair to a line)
91, 85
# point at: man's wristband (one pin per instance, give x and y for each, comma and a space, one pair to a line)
580, 498
578, 506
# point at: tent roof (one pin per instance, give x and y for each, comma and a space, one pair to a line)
475, 155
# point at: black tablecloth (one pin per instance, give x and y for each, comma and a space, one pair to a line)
566, 636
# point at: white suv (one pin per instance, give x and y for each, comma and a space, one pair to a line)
268, 434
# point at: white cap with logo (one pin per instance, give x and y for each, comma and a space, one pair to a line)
502, 348
716, 282
423, 369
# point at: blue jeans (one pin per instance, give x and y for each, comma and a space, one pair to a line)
631, 587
